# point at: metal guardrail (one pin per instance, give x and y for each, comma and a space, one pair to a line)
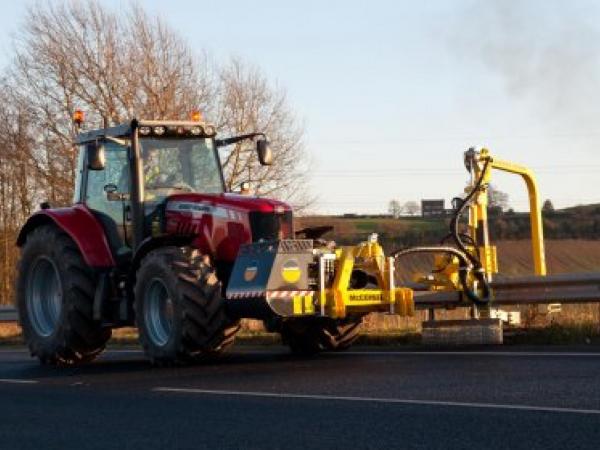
525, 290
8, 314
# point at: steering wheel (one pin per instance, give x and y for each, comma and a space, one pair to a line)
182, 186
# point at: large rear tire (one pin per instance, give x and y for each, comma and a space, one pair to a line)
312, 336
180, 312
55, 296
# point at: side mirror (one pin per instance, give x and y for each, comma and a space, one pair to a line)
96, 157
265, 155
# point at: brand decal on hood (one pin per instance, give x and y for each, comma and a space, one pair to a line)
198, 209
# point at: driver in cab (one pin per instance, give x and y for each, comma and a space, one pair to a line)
153, 178
163, 171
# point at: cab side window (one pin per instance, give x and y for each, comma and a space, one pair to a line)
116, 172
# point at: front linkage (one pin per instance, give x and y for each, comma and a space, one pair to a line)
295, 278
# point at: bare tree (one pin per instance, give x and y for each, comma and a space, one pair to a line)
17, 181
247, 103
395, 209
80, 55
548, 206
411, 208
497, 199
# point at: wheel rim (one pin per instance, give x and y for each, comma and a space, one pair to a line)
158, 312
44, 297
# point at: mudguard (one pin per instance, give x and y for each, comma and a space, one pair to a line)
81, 225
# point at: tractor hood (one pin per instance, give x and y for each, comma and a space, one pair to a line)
223, 222
241, 203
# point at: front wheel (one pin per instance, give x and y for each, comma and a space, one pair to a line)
180, 312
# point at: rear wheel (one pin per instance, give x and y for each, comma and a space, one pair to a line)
55, 296
342, 335
180, 312
311, 336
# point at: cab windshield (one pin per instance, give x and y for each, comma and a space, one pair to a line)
180, 165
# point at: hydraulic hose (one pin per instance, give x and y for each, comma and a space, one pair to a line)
463, 270
472, 293
454, 223
477, 267
449, 250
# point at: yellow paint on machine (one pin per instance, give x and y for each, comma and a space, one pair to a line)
344, 299
478, 210
290, 272
403, 299
303, 304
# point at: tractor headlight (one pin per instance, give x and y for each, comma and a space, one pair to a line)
196, 131
160, 130
209, 130
145, 131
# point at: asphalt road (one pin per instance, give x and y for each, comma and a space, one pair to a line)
264, 398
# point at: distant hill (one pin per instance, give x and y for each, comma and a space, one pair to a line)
572, 237
514, 256
578, 222
581, 209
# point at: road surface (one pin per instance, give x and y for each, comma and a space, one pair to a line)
263, 398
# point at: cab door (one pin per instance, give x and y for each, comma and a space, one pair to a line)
107, 194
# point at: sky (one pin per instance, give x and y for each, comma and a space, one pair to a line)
393, 92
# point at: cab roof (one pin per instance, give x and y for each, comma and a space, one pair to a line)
126, 128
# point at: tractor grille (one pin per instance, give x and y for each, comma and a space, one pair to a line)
271, 226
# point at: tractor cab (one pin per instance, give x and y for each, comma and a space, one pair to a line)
127, 173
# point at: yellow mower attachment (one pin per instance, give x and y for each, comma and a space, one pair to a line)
341, 300
294, 279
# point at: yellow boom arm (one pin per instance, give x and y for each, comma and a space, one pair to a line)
479, 208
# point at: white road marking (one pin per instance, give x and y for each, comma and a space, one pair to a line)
123, 351
17, 381
470, 353
376, 400
402, 353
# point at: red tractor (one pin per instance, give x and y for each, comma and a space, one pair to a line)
152, 241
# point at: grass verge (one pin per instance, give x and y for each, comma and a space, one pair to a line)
10, 334
555, 334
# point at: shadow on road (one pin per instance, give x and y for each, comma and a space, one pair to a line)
126, 362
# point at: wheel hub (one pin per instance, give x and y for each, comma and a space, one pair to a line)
44, 296
158, 312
